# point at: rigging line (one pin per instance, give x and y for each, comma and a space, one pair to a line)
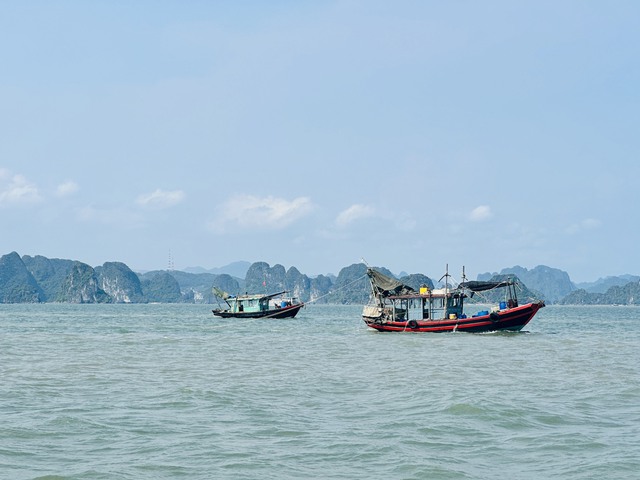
274, 314
480, 294
322, 296
325, 295
484, 297
335, 291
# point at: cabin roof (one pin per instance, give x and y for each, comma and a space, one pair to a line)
431, 294
255, 296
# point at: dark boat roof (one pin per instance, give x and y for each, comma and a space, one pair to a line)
387, 286
478, 286
437, 293
474, 286
255, 296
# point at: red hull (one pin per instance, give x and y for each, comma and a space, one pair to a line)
512, 319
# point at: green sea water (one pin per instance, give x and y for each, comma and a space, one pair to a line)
170, 391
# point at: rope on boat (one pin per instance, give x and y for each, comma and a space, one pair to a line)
335, 291
517, 284
322, 296
483, 297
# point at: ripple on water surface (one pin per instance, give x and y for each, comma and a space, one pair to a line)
168, 391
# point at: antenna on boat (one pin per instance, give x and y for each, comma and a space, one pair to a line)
446, 277
446, 280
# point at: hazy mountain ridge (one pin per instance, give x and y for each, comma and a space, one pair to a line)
628, 294
552, 284
39, 279
235, 269
603, 284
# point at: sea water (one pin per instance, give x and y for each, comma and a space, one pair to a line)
170, 391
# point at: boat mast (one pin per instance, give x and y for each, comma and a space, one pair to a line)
462, 294
446, 279
446, 292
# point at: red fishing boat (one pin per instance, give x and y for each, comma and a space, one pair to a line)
395, 307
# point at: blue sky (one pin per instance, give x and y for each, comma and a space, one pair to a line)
413, 134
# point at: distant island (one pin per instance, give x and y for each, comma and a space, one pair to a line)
38, 279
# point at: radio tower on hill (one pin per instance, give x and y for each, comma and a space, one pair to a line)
170, 267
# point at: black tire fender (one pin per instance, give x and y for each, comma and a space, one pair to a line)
412, 324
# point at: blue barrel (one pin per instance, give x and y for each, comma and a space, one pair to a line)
503, 305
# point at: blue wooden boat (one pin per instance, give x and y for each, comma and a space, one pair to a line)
274, 305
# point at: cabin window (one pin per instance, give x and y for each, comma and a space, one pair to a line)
454, 302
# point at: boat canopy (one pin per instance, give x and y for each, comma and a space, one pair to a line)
478, 286
256, 296
386, 286
271, 295
220, 293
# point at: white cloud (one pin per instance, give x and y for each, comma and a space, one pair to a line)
67, 188
250, 212
353, 213
161, 198
480, 213
18, 190
586, 224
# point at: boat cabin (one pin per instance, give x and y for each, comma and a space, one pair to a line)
393, 301
432, 304
258, 303
248, 303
